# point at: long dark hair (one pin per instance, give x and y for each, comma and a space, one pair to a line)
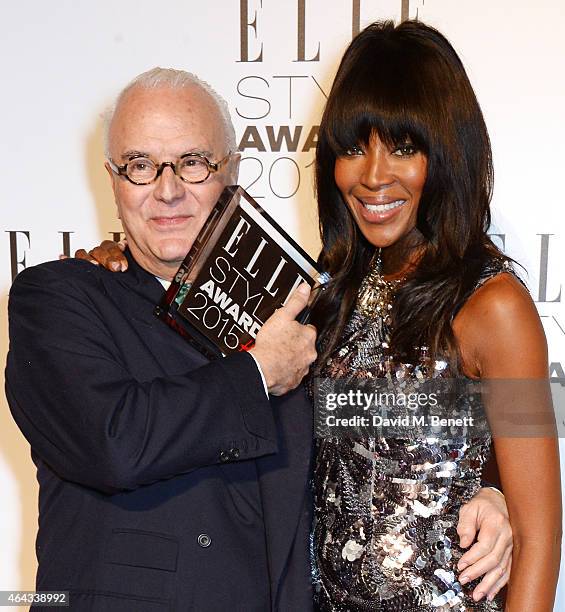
401, 82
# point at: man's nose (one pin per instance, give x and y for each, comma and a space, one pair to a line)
378, 169
168, 187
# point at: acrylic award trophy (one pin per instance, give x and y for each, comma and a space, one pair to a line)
240, 269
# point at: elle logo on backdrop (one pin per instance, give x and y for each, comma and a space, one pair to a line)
20, 242
248, 25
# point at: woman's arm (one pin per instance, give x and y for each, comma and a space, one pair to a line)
502, 342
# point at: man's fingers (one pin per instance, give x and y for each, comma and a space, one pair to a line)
494, 548
284, 348
476, 552
297, 301
466, 536
466, 527
484, 564
495, 578
490, 579
492, 540
502, 581
479, 568
82, 254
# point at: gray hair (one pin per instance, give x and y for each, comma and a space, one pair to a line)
176, 79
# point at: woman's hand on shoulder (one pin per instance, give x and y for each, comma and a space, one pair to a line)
108, 254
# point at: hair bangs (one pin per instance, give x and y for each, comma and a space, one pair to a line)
363, 105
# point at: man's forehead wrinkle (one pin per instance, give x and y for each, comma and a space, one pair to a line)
130, 153
134, 153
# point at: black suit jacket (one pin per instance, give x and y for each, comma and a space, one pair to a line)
130, 429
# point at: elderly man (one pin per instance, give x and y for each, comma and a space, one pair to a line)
168, 482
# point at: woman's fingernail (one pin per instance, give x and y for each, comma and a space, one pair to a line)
478, 596
464, 580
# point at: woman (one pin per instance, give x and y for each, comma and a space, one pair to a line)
419, 292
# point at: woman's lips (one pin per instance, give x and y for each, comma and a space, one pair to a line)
379, 210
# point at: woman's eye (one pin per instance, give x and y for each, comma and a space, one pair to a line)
353, 151
405, 150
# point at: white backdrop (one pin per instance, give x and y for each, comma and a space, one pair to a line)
273, 60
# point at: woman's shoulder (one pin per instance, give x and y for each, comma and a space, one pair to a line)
498, 321
496, 296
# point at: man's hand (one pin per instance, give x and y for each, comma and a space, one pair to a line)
108, 254
491, 554
284, 348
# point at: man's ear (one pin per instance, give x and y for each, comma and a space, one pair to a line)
113, 178
111, 175
234, 167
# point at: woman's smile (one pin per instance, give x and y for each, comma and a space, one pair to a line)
382, 185
379, 210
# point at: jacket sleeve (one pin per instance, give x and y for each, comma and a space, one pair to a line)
92, 422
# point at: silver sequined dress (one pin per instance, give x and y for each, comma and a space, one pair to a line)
386, 509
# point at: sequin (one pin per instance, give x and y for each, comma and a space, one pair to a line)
351, 550
386, 509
